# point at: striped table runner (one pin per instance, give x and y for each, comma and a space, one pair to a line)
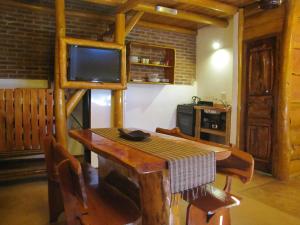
189, 165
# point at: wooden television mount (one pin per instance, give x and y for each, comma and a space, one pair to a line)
63, 54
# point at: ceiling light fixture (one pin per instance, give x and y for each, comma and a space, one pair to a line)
269, 4
167, 10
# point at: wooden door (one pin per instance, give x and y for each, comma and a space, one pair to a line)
260, 100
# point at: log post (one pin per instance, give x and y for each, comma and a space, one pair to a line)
283, 155
59, 94
117, 95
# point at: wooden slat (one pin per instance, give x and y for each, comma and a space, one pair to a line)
9, 117
18, 119
2, 121
26, 119
34, 119
42, 113
49, 111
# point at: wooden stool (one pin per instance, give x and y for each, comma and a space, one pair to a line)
211, 207
214, 207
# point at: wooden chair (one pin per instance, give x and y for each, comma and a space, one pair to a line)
55, 202
89, 203
212, 207
53, 158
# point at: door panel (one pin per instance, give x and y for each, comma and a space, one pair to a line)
259, 142
261, 72
260, 107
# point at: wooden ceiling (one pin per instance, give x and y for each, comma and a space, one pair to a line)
192, 14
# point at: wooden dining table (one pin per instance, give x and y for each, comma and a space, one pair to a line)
159, 206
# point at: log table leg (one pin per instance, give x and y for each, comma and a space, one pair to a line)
155, 198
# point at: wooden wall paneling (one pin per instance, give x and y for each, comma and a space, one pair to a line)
264, 23
295, 86
9, 116
294, 115
49, 111
26, 119
2, 121
34, 119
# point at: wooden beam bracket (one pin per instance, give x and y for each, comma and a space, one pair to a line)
74, 100
130, 4
132, 22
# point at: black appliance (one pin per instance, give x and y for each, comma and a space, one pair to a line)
186, 119
213, 120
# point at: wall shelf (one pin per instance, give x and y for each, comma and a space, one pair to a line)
140, 71
212, 131
155, 65
148, 82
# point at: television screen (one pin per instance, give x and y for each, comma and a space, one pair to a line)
94, 64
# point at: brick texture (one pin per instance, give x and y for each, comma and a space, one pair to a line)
27, 40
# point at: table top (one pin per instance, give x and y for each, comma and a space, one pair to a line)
134, 158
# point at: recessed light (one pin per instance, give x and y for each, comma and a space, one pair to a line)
216, 45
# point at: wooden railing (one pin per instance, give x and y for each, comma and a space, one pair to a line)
25, 116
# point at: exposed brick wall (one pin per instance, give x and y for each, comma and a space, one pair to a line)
27, 41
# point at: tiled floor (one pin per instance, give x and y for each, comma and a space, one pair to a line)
265, 201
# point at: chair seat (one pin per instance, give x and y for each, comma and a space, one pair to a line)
106, 204
212, 200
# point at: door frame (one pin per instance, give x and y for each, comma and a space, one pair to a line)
241, 131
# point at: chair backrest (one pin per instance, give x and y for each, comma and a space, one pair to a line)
71, 178
26, 115
53, 157
240, 164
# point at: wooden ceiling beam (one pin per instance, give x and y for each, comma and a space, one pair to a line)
166, 27
99, 17
211, 4
132, 22
183, 15
107, 2
130, 4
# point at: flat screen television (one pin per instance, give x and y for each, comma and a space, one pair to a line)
92, 64
88, 64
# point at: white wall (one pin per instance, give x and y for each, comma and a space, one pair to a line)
22, 83
217, 69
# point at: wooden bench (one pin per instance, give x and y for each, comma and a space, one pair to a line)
26, 115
